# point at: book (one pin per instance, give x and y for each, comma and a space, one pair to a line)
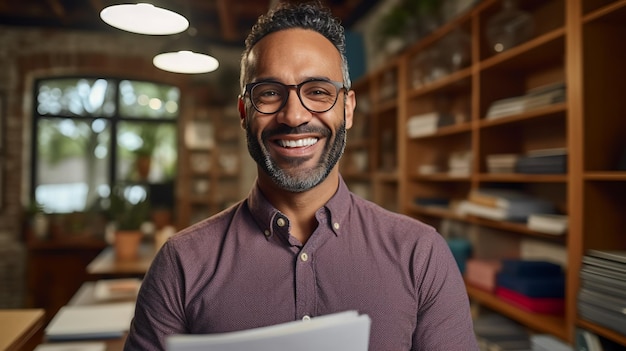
613, 255
110, 320
346, 331
554, 224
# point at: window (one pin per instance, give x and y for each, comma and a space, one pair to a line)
93, 134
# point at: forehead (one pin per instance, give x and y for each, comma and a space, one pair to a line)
296, 53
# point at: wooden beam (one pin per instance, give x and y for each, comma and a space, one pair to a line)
58, 10
227, 20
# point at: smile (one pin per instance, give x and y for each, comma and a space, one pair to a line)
297, 143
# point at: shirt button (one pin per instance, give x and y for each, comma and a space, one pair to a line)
306, 318
336, 225
304, 257
266, 232
281, 222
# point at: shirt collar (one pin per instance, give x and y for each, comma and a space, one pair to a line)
265, 214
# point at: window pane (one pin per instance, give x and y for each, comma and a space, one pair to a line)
146, 151
72, 163
148, 100
76, 97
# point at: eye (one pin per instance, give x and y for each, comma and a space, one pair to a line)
318, 89
267, 92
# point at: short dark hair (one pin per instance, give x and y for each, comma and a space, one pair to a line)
309, 15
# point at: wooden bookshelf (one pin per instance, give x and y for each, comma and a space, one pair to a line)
574, 41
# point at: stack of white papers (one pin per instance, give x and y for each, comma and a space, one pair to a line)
343, 331
109, 320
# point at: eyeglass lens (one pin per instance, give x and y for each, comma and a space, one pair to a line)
316, 96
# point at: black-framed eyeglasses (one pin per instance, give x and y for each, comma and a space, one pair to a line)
316, 95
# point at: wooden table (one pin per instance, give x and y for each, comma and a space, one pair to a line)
106, 265
22, 329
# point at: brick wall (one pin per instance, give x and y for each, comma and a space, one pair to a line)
28, 54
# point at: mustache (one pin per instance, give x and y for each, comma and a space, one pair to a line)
302, 129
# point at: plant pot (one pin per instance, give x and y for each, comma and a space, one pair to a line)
126, 244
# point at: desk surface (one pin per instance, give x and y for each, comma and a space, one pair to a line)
85, 296
18, 327
106, 264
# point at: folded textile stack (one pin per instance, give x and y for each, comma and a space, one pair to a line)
482, 273
535, 286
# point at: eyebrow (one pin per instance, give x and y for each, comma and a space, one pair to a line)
276, 80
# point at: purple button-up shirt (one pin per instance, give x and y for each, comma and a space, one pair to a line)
242, 269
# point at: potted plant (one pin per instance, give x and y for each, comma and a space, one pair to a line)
143, 155
128, 218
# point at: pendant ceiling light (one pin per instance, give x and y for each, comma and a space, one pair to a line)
185, 54
144, 18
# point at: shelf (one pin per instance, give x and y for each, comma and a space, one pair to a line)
535, 52
439, 177
453, 82
539, 322
604, 332
614, 11
609, 176
386, 176
522, 178
556, 110
447, 130
519, 228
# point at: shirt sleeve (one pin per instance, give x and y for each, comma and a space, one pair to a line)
159, 310
444, 320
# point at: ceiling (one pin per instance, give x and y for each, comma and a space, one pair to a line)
224, 22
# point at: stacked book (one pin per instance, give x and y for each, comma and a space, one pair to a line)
602, 294
460, 164
427, 123
503, 204
501, 163
534, 286
543, 161
554, 224
534, 98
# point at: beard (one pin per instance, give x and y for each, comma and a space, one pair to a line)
295, 178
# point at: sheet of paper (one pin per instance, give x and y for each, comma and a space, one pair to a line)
345, 331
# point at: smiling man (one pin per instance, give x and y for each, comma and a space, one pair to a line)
301, 244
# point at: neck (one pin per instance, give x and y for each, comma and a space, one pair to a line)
300, 207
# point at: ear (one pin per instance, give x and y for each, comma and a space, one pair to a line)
350, 105
241, 107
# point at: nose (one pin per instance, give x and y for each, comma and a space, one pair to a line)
293, 113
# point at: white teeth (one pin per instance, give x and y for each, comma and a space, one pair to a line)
297, 143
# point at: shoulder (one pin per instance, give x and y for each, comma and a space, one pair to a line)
209, 229
373, 215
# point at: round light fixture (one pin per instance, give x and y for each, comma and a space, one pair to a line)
144, 18
185, 61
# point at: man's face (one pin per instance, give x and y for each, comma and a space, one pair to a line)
296, 148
